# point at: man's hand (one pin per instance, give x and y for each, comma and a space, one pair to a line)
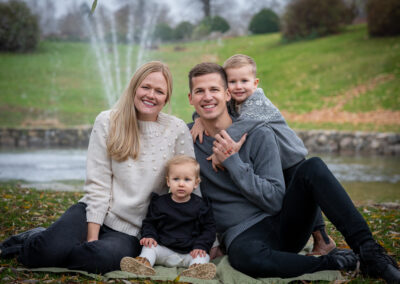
215, 163
215, 252
198, 252
225, 147
148, 242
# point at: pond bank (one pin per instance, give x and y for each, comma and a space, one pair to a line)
316, 141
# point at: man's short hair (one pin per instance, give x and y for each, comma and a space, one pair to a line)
183, 159
206, 68
240, 60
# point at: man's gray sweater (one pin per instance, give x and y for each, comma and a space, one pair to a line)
251, 187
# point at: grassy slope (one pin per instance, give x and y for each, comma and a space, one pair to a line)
61, 80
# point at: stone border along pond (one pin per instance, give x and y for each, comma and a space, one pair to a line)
316, 141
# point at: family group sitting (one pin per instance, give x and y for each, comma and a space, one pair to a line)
236, 181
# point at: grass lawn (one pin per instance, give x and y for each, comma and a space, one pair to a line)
23, 209
60, 81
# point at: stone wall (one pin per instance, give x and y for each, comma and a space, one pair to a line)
317, 141
44, 138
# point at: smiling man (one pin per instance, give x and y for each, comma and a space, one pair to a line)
261, 225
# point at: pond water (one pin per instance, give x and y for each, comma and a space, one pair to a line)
366, 179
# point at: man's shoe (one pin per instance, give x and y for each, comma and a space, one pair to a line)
345, 259
11, 247
376, 263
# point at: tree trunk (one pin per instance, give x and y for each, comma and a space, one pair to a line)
206, 8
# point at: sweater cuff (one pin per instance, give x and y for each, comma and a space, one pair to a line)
231, 163
95, 218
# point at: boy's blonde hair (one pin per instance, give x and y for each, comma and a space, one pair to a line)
183, 159
240, 60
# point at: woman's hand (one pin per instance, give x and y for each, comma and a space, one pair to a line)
224, 146
198, 252
148, 242
198, 130
93, 232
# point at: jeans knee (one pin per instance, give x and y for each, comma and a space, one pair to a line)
312, 167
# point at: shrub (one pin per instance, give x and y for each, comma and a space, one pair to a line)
265, 21
211, 24
219, 24
201, 30
314, 18
184, 30
19, 28
164, 32
383, 17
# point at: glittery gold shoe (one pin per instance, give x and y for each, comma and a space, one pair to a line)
136, 266
201, 271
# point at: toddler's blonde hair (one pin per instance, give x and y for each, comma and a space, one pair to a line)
183, 159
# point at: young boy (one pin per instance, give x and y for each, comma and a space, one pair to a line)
179, 228
249, 102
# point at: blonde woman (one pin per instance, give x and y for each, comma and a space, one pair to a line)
128, 149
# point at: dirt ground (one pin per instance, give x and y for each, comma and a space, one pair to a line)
336, 114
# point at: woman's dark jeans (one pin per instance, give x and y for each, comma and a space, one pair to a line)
64, 244
270, 247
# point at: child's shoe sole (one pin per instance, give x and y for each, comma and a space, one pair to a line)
202, 271
132, 265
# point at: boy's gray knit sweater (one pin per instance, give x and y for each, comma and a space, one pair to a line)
251, 187
259, 107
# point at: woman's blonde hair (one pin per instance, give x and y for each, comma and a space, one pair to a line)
123, 138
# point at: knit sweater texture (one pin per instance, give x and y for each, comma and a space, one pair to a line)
251, 187
259, 107
117, 194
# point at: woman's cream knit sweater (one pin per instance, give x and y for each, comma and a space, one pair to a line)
117, 194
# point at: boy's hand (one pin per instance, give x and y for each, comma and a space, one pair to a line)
148, 242
215, 163
198, 252
197, 130
225, 146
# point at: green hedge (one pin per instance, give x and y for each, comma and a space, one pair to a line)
19, 28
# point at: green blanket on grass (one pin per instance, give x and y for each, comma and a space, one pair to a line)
225, 274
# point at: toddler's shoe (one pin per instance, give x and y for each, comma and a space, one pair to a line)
138, 265
201, 271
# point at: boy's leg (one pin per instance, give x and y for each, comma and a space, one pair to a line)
51, 247
105, 254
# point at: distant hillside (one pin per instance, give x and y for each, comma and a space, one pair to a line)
347, 81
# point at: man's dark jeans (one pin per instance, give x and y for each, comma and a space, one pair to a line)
64, 244
270, 247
